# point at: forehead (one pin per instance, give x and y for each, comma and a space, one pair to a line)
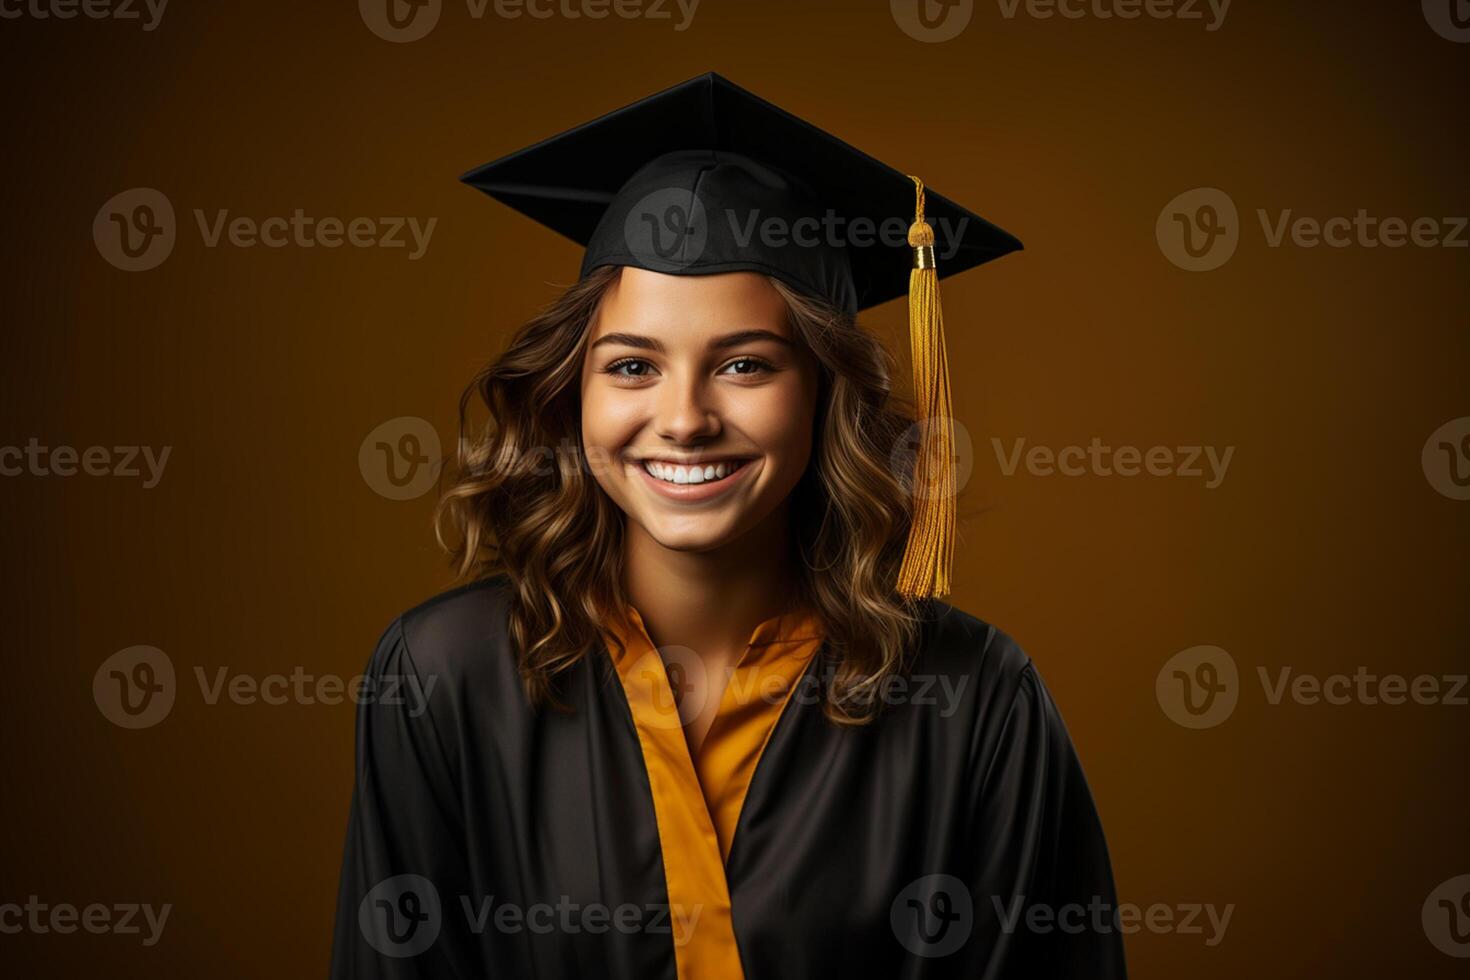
689, 308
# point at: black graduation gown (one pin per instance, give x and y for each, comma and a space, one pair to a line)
489, 840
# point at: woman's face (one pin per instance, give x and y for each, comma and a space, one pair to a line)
697, 404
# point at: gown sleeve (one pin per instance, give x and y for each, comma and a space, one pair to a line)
398, 906
1045, 904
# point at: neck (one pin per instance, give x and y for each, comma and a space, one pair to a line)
710, 601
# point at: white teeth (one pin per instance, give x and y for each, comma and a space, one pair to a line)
670, 473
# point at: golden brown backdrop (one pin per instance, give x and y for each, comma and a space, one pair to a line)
1334, 540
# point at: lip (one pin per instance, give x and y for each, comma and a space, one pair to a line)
695, 492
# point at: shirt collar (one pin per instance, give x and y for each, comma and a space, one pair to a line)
794, 630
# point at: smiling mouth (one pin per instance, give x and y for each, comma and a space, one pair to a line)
680, 474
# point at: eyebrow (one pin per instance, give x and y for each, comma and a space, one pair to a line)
747, 337
719, 343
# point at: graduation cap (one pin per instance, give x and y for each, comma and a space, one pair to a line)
706, 177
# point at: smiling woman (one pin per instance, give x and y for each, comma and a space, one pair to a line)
711, 403
674, 374
666, 707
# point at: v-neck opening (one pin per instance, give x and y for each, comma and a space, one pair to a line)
698, 798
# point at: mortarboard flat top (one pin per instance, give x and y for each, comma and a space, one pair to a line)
706, 177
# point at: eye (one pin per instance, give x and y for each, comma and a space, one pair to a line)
748, 366
629, 368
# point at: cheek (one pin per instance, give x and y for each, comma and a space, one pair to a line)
780, 422
610, 422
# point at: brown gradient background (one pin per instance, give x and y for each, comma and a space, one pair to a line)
264, 550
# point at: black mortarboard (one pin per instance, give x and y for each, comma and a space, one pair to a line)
705, 177
746, 165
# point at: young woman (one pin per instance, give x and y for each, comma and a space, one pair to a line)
697, 713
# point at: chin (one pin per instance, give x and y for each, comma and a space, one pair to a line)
680, 536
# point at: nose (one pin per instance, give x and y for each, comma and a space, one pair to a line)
686, 412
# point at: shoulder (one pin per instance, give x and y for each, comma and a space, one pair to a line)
993, 687
956, 644
456, 635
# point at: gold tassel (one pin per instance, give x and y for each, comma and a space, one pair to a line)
930, 550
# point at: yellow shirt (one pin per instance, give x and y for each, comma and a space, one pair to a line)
697, 801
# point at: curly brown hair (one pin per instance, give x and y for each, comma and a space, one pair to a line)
522, 501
